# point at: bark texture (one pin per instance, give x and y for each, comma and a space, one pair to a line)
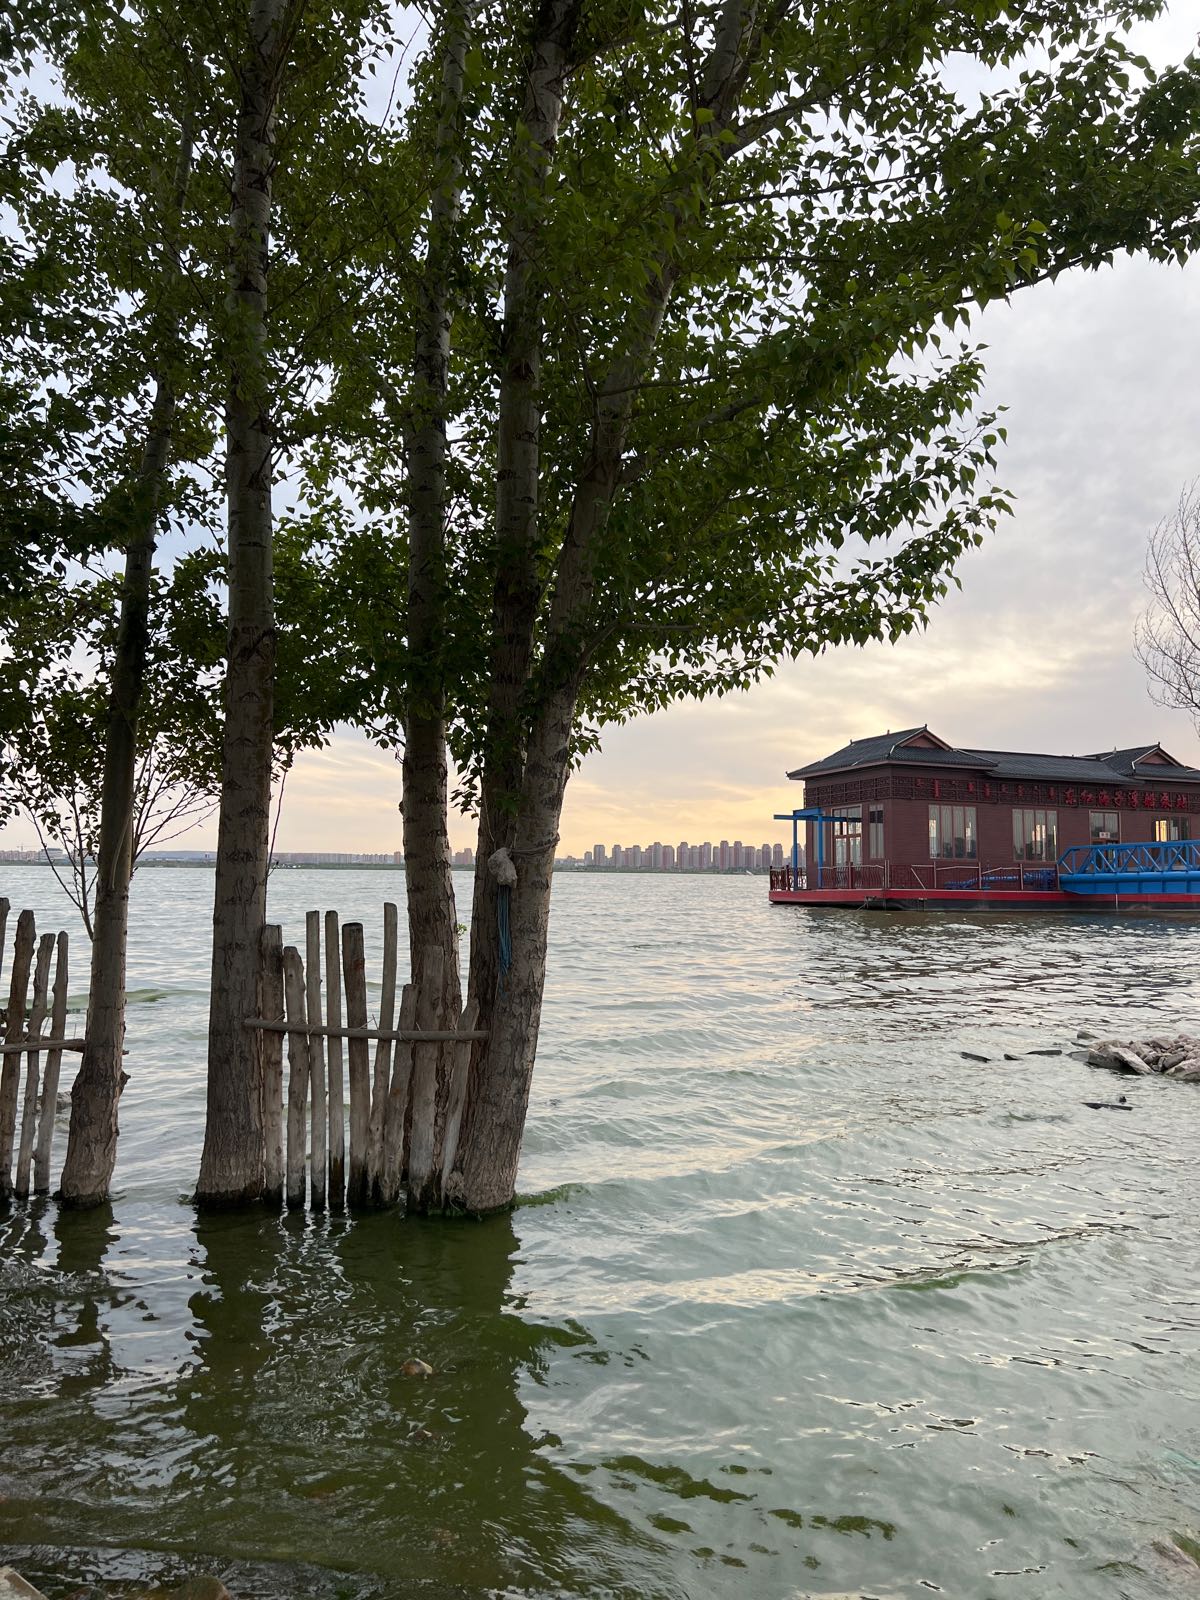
541, 644
95, 1095
231, 1167
432, 914
510, 1001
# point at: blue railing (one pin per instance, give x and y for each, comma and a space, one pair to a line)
1166, 867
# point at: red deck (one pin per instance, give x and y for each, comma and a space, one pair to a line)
977, 900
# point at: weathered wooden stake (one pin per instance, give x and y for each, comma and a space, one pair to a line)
298, 1057
460, 1070
333, 1046
355, 973
316, 1059
4, 909
37, 1016
272, 1064
58, 1021
397, 1106
14, 1030
425, 1077
383, 1055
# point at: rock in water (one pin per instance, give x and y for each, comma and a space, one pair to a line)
1119, 1057
14, 1587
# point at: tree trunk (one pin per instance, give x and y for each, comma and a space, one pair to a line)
517, 590
510, 1002
432, 914
231, 1167
92, 1140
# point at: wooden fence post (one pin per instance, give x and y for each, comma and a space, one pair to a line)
316, 1058
37, 1016
58, 1023
273, 1010
14, 1031
355, 973
298, 1055
397, 1106
425, 1074
383, 1055
337, 1109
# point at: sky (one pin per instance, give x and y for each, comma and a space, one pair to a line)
1098, 373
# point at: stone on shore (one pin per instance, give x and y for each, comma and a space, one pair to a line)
1177, 1057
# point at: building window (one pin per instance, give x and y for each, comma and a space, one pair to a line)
952, 835
1169, 830
1106, 827
875, 833
1035, 835
847, 836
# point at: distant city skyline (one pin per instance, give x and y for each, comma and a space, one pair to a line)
724, 856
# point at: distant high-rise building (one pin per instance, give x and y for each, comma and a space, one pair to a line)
668, 857
777, 856
633, 856
587, 858
656, 856
681, 854
706, 856
721, 854
599, 855
618, 856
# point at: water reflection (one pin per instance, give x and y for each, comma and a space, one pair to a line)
278, 1440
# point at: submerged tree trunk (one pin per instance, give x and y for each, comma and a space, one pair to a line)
432, 915
508, 983
520, 799
92, 1140
510, 997
231, 1167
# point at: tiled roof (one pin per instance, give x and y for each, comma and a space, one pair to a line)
1126, 761
886, 747
1117, 769
1006, 764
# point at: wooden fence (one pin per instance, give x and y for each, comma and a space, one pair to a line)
21, 1029
405, 1108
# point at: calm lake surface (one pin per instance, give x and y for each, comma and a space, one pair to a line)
797, 1301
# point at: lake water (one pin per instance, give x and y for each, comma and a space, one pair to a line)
797, 1300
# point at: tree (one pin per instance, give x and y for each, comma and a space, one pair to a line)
120, 340
695, 275
55, 703
299, 132
120, 390
1167, 634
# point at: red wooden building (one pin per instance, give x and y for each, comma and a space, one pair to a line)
905, 817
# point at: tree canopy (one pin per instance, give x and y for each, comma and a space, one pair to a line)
750, 254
